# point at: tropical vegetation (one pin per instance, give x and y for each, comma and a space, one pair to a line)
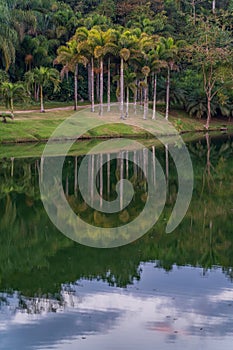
176, 52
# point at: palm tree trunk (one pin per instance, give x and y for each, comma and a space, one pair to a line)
42, 110
135, 97
127, 101
154, 97
122, 89
213, 6
76, 87
167, 93
92, 86
109, 83
89, 81
101, 86
98, 87
145, 100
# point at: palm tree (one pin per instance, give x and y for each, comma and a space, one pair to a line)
111, 50
70, 57
129, 84
156, 66
168, 50
10, 92
145, 72
103, 43
43, 76
109, 83
86, 48
152, 64
127, 43
124, 55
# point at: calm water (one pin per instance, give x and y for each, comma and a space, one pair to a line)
162, 291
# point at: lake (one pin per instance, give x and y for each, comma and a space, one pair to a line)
163, 290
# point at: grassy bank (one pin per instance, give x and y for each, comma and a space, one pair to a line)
35, 150
38, 127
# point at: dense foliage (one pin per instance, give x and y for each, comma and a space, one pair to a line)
179, 52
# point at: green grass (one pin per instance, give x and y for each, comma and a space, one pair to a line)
192, 124
41, 129
29, 129
37, 127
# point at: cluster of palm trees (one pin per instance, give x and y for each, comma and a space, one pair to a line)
38, 78
34, 80
133, 58
128, 57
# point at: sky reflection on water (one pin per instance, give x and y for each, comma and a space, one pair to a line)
183, 309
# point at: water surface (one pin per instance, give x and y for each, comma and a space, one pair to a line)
162, 291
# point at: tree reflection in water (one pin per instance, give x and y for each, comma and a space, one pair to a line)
36, 259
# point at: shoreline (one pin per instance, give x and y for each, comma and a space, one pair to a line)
104, 137
82, 146
32, 127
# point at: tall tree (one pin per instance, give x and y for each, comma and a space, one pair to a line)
124, 55
104, 43
156, 66
145, 72
129, 85
70, 57
86, 48
168, 51
212, 53
127, 44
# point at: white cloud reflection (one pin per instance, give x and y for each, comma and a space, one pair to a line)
180, 308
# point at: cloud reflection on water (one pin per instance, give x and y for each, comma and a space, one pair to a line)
179, 307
